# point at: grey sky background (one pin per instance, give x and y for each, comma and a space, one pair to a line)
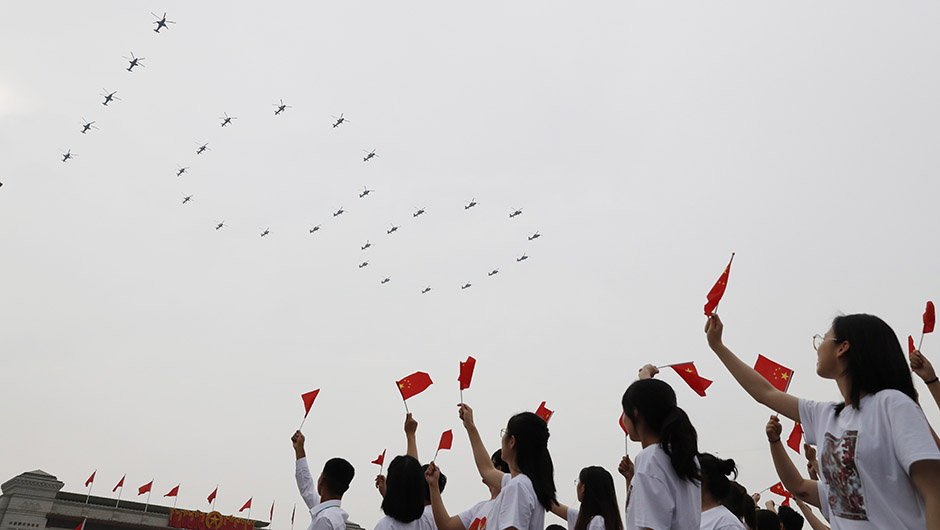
644, 142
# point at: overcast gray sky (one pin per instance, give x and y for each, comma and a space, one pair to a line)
644, 142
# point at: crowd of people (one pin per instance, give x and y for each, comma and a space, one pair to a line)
878, 465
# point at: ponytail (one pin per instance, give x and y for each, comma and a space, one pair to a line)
715, 473
532, 456
655, 401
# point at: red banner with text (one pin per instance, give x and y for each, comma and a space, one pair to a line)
196, 520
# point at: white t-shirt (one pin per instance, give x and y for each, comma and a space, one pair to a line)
596, 522
481, 509
390, 523
823, 491
658, 498
326, 515
516, 506
865, 457
720, 518
428, 518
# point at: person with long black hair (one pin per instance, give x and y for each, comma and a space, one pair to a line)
665, 492
876, 435
716, 486
598, 500
403, 504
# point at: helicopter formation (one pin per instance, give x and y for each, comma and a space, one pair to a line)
133, 62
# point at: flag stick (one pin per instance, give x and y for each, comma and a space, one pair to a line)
461, 396
626, 444
405, 401
671, 365
302, 421
294, 513
919, 344
148, 498
435, 454
788, 382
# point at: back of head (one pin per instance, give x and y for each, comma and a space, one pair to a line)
498, 462
715, 473
404, 490
337, 474
600, 498
532, 456
441, 482
741, 504
767, 520
655, 402
875, 359
789, 518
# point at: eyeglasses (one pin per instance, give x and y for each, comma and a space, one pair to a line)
577, 481
502, 433
818, 341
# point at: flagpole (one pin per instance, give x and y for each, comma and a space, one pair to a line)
216, 495
92, 485
177, 496
292, 516
303, 421
626, 445
671, 365
119, 498
149, 493
921, 343
788, 382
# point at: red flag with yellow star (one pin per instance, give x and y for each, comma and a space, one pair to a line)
777, 374
796, 438
414, 384
544, 412
718, 290
689, 374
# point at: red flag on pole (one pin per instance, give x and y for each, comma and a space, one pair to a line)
380, 460
930, 318
544, 413
414, 384
777, 374
120, 484
718, 290
173, 492
145, 488
81, 525
295, 511
786, 501
308, 400
910, 345
689, 374
778, 489
213, 494
796, 438
246, 506
272, 511
622, 426
447, 439
90, 480
466, 372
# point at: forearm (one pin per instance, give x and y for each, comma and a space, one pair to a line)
803, 489
488, 472
442, 519
810, 517
412, 450
935, 391
305, 483
560, 510
759, 388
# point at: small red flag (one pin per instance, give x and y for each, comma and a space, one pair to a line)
622, 426
714, 296
173, 492
689, 374
466, 372
778, 489
90, 480
414, 384
380, 460
145, 488
544, 413
796, 438
786, 502
910, 345
292, 512
81, 525
930, 318
777, 374
246, 506
272, 511
447, 439
120, 484
308, 400
213, 494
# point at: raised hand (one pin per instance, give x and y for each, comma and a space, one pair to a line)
773, 429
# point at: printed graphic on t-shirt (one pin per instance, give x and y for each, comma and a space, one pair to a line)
846, 495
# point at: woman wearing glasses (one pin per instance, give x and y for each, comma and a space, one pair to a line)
599, 510
878, 455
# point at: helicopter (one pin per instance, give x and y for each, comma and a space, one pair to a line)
369, 155
314, 228
385, 280
220, 225
266, 232
465, 286
187, 198
365, 191
108, 98
161, 22
339, 212
392, 229
471, 204
493, 272
426, 289
364, 264
339, 120
367, 245
86, 125
419, 211
226, 119
535, 236
201, 148
134, 61
68, 155
281, 108
517, 211
523, 258
181, 170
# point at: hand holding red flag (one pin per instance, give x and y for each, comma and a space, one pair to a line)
466, 372
718, 290
247, 506
120, 484
145, 488
91, 479
796, 438
544, 412
777, 374
173, 492
689, 374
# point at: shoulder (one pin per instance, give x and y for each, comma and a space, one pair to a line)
891, 397
385, 523
650, 458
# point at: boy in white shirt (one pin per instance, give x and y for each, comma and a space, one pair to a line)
324, 500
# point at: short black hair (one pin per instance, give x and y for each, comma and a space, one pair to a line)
500, 464
337, 474
405, 487
441, 482
767, 520
789, 518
